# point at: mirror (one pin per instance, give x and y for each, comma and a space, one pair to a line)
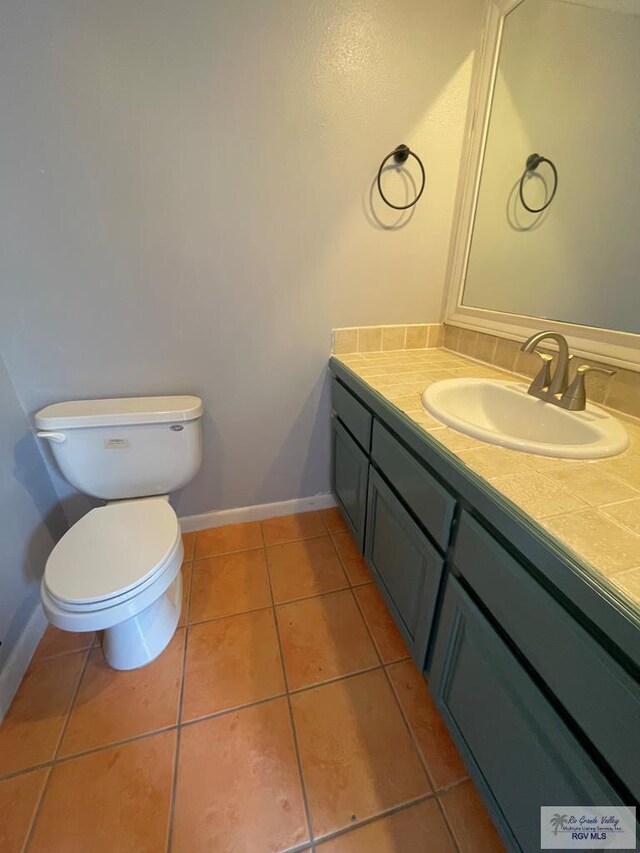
567, 87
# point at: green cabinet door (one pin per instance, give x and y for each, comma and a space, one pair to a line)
586, 680
349, 474
406, 566
519, 750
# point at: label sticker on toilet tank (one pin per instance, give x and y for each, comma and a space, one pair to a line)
116, 443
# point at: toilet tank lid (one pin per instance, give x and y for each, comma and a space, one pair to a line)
120, 411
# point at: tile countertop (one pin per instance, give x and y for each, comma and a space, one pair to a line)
591, 507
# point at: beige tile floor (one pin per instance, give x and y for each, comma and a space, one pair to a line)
285, 715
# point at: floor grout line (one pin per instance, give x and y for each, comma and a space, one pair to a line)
174, 785
421, 759
294, 733
303, 787
58, 655
315, 595
409, 728
174, 780
230, 615
343, 562
447, 824
278, 604
36, 811
320, 594
233, 710
392, 810
295, 691
73, 701
437, 791
445, 790
371, 635
264, 546
65, 759
70, 708
324, 533
305, 847
225, 553
360, 611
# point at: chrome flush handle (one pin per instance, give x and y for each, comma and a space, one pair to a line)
57, 437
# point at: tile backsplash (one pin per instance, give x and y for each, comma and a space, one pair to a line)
381, 338
621, 391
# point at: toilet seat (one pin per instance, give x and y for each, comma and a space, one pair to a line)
110, 604
112, 554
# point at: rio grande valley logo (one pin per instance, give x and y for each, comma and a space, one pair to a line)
588, 828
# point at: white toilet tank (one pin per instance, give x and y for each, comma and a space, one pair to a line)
128, 447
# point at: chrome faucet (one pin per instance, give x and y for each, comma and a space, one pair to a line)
555, 388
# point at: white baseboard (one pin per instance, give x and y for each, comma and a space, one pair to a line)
18, 661
218, 518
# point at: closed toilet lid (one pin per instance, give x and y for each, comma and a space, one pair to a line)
111, 550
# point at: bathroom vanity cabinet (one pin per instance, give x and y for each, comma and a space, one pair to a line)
533, 664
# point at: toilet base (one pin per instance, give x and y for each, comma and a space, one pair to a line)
139, 640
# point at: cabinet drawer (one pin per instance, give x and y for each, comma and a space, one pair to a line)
407, 567
518, 749
349, 475
596, 691
429, 501
352, 413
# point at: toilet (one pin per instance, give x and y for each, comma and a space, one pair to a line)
117, 570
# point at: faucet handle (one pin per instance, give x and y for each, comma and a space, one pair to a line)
543, 377
575, 397
588, 368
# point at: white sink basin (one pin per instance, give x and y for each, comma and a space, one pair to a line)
503, 413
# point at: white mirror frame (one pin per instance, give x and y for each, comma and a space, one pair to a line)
603, 345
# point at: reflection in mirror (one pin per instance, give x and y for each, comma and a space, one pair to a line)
567, 88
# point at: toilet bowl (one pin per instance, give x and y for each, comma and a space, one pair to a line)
117, 570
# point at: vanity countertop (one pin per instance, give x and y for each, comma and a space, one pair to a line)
591, 507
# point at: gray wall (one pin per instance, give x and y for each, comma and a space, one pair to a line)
32, 520
186, 207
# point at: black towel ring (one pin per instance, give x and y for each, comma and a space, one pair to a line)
401, 155
533, 161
